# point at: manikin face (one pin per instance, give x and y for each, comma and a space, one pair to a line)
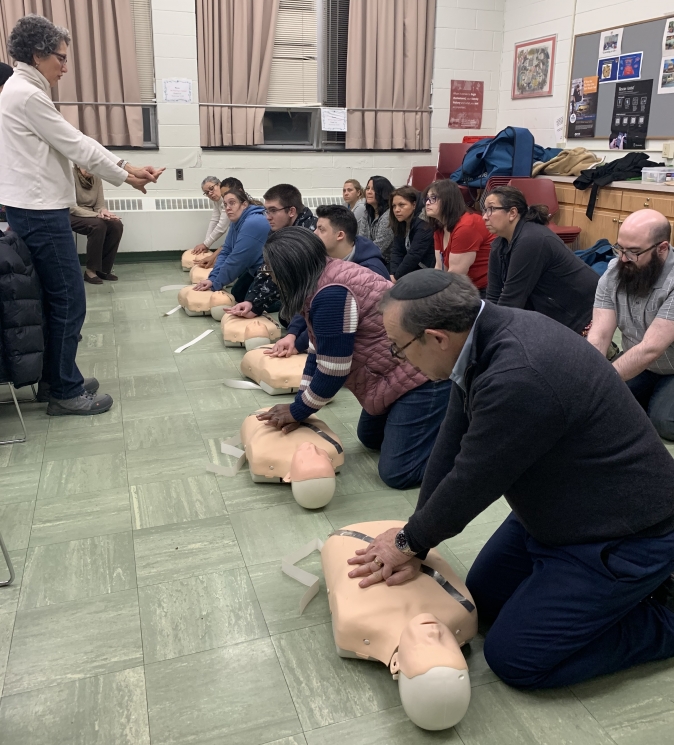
434, 354
425, 643
498, 219
233, 207
402, 209
55, 66
310, 462
212, 191
350, 193
279, 216
331, 238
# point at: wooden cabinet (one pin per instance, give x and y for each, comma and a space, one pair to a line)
565, 215
639, 200
608, 199
604, 224
565, 193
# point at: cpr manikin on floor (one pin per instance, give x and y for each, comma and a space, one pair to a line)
415, 628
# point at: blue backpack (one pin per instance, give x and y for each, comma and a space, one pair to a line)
511, 153
597, 256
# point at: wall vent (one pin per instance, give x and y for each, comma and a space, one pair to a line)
124, 205
183, 204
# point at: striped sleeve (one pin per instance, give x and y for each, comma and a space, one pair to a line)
334, 318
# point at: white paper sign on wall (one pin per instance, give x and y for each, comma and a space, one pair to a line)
177, 90
333, 120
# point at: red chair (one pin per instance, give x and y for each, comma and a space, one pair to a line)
471, 139
421, 176
450, 157
542, 191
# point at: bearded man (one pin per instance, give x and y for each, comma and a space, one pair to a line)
636, 295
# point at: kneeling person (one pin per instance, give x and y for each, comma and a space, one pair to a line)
402, 408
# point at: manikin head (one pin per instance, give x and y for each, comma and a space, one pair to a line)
642, 248
312, 476
428, 315
282, 205
433, 676
337, 228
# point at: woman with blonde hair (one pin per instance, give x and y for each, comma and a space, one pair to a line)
354, 197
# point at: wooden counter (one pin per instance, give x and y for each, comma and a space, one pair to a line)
614, 203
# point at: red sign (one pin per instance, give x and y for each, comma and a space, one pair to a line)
465, 104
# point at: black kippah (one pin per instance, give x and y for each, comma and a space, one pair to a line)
423, 283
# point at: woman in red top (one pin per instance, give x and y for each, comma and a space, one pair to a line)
462, 242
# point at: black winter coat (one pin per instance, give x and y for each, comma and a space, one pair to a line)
421, 249
21, 333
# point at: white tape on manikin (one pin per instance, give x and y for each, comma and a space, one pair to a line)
194, 341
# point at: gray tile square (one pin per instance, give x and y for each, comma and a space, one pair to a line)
61, 572
199, 613
81, 475
69, 641
15, 522
185, 549
235, 695
19, 483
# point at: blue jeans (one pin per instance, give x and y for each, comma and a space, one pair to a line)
49, 238
655, 393
563, 614
406, 433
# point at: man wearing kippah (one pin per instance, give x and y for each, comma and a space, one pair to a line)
577, 581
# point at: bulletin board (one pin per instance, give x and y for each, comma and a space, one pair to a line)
643, 37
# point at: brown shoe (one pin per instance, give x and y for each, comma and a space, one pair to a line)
92, 280
110, 277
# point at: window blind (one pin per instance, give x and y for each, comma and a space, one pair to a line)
142, 26
294, 67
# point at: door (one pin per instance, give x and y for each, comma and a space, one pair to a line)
604, 224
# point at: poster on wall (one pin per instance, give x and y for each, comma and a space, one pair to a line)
533, 68
631, 109
607, 69
629, 66
610, 42
583, 107
666, 75
465, 104
668, 37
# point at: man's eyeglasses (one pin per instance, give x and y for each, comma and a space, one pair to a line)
487, 211
431, 199
273, 210
61, 58
399, 352
631, 254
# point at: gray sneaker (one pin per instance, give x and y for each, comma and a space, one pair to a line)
84, 405
44, 389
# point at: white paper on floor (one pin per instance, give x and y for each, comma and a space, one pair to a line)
165, 288
229, 447
173, 310
245, 385
306, 578
194, 341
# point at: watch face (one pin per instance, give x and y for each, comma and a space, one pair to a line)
401, 541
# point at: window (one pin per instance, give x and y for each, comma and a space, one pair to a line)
142, 28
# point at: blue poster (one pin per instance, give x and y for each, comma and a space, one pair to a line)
607, 69
629, 66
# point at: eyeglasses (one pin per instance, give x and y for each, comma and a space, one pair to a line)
61, 58
399, 352
631, 254
210, 189
273, 210
487, 211
431, 199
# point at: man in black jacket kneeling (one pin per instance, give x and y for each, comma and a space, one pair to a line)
576, 582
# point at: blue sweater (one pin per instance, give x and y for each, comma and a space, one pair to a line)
366, 254
242, 250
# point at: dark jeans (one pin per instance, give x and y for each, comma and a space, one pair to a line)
406, 433
50, 241
568, 613
241, 286
103, 237
655, 393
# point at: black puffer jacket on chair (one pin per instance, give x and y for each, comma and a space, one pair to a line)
21, 332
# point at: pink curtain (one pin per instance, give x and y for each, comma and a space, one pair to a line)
235, 41
389, 66
101, 64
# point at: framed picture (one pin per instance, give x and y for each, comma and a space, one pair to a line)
533, 68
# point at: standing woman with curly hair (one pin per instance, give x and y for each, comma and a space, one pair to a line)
37, 188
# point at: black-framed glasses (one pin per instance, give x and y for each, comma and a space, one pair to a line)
399, 352
487, 211
273, 210
61, 58
431, 199
209, 190
631, 254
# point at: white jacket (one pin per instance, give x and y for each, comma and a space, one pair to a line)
37, 143
218, 226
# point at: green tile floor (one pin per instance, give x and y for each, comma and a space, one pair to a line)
150, 606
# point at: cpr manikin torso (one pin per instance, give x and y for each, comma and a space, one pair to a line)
305, 458
196, 303
416, 628
189, 259
249, 332
199, 273
275, 375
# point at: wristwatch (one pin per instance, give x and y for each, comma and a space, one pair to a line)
122, 163
402, 545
